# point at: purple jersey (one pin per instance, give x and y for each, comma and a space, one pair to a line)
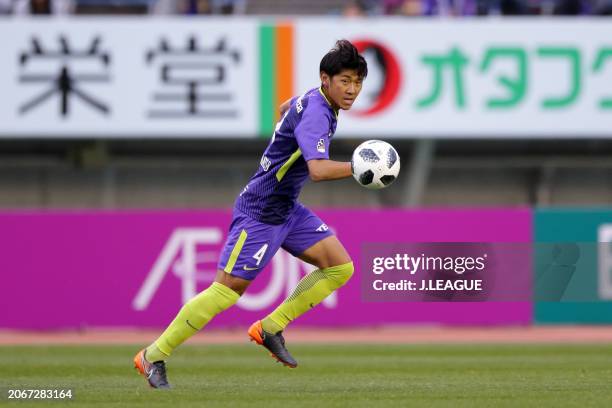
302, 134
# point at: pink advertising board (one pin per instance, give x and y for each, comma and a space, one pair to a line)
72, 269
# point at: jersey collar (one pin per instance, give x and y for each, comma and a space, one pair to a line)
328, 102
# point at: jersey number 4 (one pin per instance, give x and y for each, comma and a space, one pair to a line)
260, 254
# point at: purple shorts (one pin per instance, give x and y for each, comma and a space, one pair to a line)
251, 244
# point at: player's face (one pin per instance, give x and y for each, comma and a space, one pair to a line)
343, 88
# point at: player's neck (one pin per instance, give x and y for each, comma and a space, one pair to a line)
329, 100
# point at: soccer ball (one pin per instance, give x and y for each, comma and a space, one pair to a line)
375, 164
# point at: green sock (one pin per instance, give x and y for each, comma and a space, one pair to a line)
309, 292
154, 354
192, 317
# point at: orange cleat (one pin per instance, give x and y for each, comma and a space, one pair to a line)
155, 373
275, 343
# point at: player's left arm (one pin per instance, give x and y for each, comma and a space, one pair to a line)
325, 169
284, 106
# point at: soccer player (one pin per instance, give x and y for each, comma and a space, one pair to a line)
267, 216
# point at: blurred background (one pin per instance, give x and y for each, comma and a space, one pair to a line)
143, 114
135, 172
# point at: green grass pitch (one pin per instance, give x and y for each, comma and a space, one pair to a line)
328, 376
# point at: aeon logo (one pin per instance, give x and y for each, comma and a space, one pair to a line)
191, 256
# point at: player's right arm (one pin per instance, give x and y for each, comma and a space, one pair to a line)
324, 169
313, 134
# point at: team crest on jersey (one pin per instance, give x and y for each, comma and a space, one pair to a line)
321, 146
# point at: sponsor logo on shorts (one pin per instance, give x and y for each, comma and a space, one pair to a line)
246, 268
322, 228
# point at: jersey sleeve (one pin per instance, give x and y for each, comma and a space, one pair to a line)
312, 134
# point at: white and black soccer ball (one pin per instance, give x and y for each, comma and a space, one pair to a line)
375, 164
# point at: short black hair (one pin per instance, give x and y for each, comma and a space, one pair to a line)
343, 56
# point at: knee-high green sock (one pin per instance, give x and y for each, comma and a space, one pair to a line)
309, 292
192, 317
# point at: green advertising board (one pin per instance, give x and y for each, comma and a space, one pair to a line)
572, 279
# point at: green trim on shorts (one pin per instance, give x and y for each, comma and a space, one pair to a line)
235, 252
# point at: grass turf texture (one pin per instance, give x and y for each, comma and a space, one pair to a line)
355, 375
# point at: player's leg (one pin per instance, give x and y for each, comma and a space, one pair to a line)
223, 293
334, 270
311, 240
326, 253
193, 316
240, 261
